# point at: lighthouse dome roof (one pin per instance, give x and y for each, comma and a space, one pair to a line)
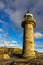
29, 14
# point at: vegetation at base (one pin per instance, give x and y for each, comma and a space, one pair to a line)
16, 51
10, 51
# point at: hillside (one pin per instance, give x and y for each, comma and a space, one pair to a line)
15, 53
12, 51
39, 55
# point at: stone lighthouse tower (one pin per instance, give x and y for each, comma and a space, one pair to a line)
28, 25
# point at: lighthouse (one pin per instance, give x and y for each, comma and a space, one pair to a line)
28, 24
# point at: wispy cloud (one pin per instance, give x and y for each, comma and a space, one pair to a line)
8, 44
3, 33
16, 9
6, 35
37, 46
14, 42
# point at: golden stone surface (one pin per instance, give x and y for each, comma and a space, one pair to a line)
4, 56
28, 43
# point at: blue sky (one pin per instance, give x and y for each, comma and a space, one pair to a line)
11, 15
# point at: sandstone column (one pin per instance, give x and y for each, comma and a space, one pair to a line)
28, 24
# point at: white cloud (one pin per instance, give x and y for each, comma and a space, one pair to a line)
9, 44
14, 42
38, 35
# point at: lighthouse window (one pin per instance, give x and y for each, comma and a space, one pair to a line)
29, 17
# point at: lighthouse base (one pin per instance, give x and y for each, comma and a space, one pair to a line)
29, 56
